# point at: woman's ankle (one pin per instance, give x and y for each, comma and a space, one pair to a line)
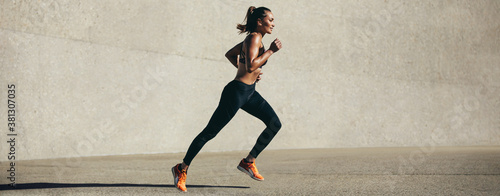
183, 166
249, 159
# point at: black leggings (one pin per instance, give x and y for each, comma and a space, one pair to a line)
237, 95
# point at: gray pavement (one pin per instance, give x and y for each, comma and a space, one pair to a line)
360, 171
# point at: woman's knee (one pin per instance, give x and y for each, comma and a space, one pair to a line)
275, 124
207, 135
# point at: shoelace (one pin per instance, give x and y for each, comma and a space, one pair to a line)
182, 176
253, 168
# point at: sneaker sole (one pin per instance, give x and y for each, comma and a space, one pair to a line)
175, 180
248, 173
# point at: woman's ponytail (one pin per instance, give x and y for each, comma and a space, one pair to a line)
243, 27
251, 19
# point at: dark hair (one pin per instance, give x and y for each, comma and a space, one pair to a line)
253, 14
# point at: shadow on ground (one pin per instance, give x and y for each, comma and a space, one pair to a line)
80, 185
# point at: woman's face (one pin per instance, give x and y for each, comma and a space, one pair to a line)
267, 23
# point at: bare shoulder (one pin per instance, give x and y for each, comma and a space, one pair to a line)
253, 39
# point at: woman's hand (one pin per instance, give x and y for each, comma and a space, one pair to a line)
276, 45
258, 77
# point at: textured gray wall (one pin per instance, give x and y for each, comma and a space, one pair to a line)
126, 77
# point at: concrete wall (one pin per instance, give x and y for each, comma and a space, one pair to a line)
126, 77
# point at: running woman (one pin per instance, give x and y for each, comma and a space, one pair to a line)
248, 57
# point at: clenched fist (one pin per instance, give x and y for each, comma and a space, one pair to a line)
276, 45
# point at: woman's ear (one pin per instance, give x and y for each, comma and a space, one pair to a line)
259, 22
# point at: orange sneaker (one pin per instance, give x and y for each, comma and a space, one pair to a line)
179, 178
250, 169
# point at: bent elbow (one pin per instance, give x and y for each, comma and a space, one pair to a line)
252, 66
250, 69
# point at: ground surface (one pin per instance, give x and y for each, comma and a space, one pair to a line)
361, 171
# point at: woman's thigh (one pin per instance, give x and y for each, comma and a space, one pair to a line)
257, 106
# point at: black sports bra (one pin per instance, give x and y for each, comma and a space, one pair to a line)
242, 54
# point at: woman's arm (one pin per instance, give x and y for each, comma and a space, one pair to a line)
252, 60
232, 54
